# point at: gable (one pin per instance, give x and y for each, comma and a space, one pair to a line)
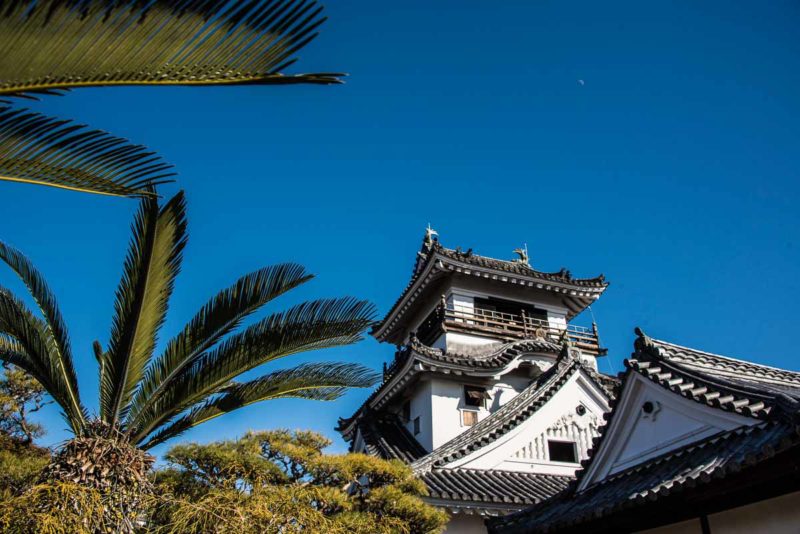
525, 447
651, 421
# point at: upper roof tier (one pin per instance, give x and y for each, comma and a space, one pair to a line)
435, 263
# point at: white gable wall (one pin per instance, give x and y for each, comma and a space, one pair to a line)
447, 403
556, 414
636, 436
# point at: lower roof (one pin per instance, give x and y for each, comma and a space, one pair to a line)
415, 358
386, 437
487, 490
766, 393
698, 465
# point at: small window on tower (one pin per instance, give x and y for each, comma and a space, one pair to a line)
562, 451
406, 412
416, 426
475, 396
469, 417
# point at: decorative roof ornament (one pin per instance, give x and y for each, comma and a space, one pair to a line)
523, 255
643, 341
431, 236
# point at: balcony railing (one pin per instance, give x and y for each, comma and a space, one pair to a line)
505, 326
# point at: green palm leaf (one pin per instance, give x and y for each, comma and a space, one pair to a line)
48, 44
57, 337
27, 343
316, 381
217, 318
58, 153
308, 326
151, 266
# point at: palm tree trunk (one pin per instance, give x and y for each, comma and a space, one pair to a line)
106, 462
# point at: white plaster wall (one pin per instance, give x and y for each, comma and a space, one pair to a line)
465, 524
780, 515
447, 401
420, 404
502, 454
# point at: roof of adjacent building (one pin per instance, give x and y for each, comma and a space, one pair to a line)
729, 384
415, 358
435, 261
766, 393
515, 411
698, 464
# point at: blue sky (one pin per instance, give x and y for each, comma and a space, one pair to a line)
672, 168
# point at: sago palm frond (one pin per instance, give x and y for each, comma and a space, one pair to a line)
153, 262
315, 381
149, 399
50, 44
309, 326
41, 150
27, 344
57, 338
216, 319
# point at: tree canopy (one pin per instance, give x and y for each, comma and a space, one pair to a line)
281, 481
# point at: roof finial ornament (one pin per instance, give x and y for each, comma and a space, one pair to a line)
565, 340
431, 236
642, 340
523, 255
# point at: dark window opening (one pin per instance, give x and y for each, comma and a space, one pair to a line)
475, 396
562, 451
416, 426
507, 306
406, 413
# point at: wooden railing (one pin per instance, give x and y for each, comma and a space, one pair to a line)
509, 326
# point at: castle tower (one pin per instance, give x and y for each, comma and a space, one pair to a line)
493, 395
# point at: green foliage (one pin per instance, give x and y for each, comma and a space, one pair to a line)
281, 481
20, 460
20, 465
49, 46
147, 398
51, 509
20, 395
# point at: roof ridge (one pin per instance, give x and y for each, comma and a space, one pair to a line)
724, 357
497, 350
563, 272
504, 471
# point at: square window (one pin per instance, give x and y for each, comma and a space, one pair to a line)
475, 396
469, 417
562, 451
416, 426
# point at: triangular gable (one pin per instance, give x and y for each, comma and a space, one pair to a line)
524, 448
650, 420
518, 410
